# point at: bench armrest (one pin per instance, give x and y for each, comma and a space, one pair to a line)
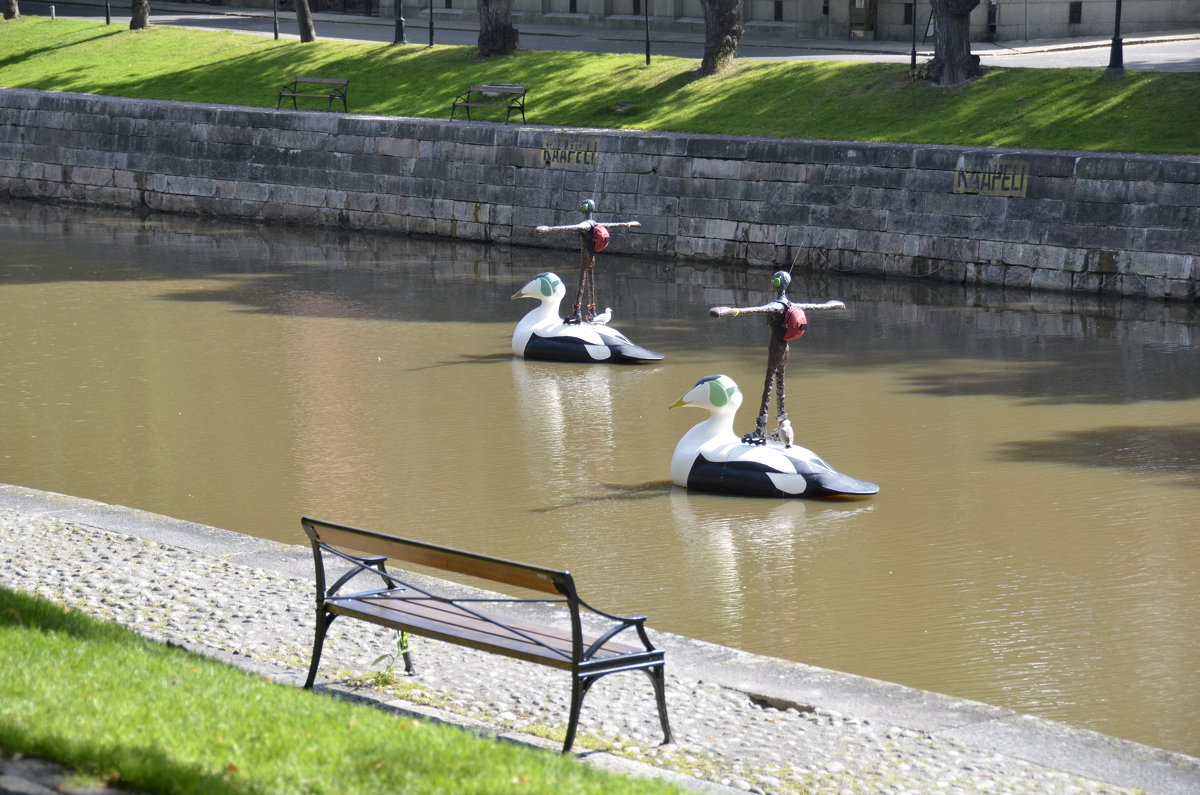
375, 564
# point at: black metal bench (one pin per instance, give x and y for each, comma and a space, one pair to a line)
403, 604
508, 97
327, 88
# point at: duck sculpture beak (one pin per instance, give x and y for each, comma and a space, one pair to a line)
678, 404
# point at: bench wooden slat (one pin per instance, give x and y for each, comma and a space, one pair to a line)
462, 630
507, 627
521, 575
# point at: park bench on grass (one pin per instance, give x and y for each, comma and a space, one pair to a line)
326, 88
402, 603
502, 96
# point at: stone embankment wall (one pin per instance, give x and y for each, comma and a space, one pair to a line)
1098, 224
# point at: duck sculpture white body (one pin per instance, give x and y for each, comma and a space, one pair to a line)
711, 457
542, 334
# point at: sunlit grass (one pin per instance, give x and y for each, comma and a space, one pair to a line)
155, 718
1030, 108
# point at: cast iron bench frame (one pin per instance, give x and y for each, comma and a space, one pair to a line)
337, 88
404, 605
476, 97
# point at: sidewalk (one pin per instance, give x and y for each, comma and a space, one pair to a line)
750, 46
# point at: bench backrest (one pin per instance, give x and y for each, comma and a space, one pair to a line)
500, 88
522, 575
339, 81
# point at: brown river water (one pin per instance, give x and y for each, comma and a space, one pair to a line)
1034, 543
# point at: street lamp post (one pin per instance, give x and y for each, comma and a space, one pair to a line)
275, 17
912, 64
646, 15
1116, 58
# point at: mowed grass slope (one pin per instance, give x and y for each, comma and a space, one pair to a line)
1073, 109
154, 718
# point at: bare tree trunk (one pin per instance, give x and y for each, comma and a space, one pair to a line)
304, 21
12, 10
952, 61
722, 32
139, 14
497, 36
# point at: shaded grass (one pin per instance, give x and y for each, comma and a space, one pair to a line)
129, 711
1028, 108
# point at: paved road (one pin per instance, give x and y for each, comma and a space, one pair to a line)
1142, 52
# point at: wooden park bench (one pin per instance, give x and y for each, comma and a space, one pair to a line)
327, 88
407, 603
508, 97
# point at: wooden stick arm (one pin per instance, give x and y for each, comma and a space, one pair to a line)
774, 306
734, 311
581, 227
835, 305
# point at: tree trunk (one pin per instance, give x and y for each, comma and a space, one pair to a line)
12, 10
139, 14
722, 32
304, 21
497, 36
952, 61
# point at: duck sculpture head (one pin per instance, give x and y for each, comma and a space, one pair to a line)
542, 334
712, 457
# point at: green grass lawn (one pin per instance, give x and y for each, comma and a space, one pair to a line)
1027, 108
125, 710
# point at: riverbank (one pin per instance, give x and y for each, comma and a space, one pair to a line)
743, 722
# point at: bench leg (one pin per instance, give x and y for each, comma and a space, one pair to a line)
658, 677
579, 688
323, 622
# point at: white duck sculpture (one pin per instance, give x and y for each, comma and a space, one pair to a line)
542, 334
711, 457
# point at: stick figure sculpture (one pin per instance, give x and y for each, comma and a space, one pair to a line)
593, 237
788, 322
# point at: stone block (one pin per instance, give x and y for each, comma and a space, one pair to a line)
936, 159
1180, 170
772, 150
1180, 241
708, 168
717, 147
1106, 191
1049, 165
1039, 210
832, 195
1101, 167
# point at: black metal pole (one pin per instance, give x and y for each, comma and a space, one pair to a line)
107, 13
430, 23
275, 18
912, 64
1116, 58
646, 14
